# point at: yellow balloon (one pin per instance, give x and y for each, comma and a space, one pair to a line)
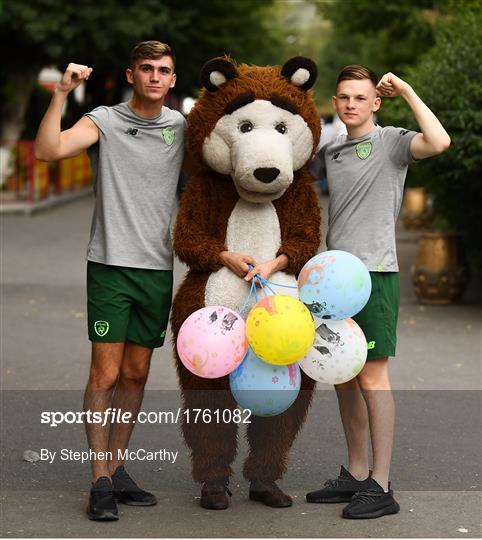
280, 329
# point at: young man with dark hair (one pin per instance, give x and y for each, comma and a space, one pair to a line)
136, 149
366, 171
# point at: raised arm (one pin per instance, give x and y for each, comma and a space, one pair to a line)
52, 144
434, 139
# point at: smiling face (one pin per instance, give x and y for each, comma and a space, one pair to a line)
259, 145
355, 103
152, 79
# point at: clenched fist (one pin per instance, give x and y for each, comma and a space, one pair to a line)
390, 86
73, 76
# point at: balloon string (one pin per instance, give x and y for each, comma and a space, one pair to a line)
263, 289
265, 284
251, 289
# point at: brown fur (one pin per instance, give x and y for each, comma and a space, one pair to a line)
199, 237
264, 82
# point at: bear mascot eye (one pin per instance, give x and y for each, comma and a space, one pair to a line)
246, 127
281, 128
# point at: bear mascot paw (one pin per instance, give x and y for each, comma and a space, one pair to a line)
251, 135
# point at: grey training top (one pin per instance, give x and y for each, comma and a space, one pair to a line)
365, 179
136, 166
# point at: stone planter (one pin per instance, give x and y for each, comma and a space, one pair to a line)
440, 273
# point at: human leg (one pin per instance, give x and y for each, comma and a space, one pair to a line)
378, 320
127, 397
377, 499
354, 417
104, 372
108, 309
147, 294
113, 297
375, 386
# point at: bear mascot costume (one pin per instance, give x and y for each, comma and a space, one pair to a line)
251, 135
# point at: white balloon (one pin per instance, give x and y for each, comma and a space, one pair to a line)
338, 353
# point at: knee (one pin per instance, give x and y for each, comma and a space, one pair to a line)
103, 379
133, 377
370, 381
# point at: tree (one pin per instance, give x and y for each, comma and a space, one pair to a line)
101, 34
54, 32
448, 79
241, 29
386, 35
51, 32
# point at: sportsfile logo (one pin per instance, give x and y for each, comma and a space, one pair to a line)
114, 415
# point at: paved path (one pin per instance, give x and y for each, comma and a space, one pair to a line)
45, 357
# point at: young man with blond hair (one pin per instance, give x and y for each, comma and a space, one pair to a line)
136, 149
366, 171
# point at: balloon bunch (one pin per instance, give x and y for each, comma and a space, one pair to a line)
264, 356
335, 286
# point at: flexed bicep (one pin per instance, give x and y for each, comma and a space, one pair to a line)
79, 137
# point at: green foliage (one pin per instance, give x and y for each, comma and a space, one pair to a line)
55, 31
101, 34
386, 35
448, 79
240, 29
436, 46
296, 29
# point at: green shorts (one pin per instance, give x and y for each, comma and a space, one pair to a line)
128, 304
378, 319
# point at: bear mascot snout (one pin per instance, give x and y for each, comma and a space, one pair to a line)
251, 135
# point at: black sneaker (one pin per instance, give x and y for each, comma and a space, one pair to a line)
372, 502
126, 491
101, 505
340, 489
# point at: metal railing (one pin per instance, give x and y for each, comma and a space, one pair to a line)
31, 180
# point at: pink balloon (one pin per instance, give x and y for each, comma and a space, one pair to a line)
212, 341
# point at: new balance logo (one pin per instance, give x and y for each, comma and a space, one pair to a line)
132, 131
371, 344
335, 156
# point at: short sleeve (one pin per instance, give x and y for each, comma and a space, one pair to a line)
100, 117
396, 142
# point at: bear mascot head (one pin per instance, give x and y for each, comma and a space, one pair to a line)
258, 125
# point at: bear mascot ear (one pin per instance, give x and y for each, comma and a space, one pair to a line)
216, 72
301, 71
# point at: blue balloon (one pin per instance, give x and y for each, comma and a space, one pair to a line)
265, 389
334, 285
